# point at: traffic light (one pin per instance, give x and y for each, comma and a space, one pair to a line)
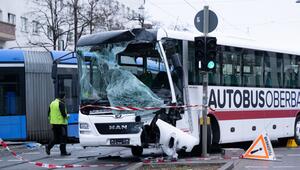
200, 53
211, 53
206, 53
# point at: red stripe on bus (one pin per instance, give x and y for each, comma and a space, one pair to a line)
254, 114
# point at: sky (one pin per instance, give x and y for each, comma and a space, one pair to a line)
269, 21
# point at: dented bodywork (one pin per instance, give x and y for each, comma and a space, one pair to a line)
133, 68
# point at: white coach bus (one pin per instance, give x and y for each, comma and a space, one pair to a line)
125, 74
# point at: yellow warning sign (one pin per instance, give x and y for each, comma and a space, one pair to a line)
261, 148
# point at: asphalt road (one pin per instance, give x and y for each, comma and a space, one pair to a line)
107, 158
286, 159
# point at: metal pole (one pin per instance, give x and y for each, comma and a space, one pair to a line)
205, 84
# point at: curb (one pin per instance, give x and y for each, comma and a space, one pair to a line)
228, 166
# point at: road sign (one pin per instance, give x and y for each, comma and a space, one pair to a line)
261, 148
212, 21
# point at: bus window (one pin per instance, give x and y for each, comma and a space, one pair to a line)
252, 68
273, 69
193, 74
173, 49
231, 67
290, 77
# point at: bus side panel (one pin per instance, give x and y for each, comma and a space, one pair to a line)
13, 127
249, 129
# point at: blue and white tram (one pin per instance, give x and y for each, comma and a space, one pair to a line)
27, 88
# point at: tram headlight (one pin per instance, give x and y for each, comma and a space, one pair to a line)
84, 126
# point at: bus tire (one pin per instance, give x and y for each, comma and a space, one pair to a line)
137, 151
297, 130
283, 141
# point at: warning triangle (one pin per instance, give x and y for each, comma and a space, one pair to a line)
261, 148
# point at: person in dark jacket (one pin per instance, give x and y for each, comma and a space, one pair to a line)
58, 118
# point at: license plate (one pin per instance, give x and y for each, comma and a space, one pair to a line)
120, 141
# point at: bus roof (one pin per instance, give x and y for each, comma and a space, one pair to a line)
154, 35
230, 40
118, 36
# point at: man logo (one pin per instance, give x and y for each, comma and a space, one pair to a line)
118, 116
117, 127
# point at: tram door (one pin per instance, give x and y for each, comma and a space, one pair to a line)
67, 83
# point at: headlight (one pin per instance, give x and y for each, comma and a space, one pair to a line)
84, 126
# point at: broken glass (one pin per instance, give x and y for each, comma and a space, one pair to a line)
102, 79
124, 89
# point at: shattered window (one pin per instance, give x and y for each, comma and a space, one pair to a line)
117, 75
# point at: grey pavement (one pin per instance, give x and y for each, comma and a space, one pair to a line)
120, 158
287, 158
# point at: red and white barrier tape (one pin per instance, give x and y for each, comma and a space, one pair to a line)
51, 166
131, 108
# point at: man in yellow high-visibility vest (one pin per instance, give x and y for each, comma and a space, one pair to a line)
58, 118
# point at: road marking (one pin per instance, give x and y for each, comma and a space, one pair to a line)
32, 153
92, 152
293, 154
55, 152
281, 167
256, 167
65, 159
15, 160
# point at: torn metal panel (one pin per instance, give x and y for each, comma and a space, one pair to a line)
118, 36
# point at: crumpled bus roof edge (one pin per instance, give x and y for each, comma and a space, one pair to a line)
139, 34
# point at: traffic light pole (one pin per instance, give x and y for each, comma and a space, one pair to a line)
205, 86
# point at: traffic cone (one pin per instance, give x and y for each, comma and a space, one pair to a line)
291, 143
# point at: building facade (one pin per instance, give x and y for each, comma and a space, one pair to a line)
18, 29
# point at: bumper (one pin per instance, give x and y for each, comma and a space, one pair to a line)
104, 140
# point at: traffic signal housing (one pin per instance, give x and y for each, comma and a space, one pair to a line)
211, 53
206, 53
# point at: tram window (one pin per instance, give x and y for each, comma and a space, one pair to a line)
11, 92
252, 68
65, 84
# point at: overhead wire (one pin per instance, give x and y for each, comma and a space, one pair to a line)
230, 24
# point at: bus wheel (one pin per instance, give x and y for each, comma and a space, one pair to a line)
137, 150
297, 130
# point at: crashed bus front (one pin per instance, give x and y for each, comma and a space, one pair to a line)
127, 78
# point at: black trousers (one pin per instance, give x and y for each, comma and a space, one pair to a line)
59, 137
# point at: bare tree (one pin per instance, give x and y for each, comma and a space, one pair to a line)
53, 21
66, 20
110, 16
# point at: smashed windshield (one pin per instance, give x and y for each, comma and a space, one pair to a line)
113, 75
